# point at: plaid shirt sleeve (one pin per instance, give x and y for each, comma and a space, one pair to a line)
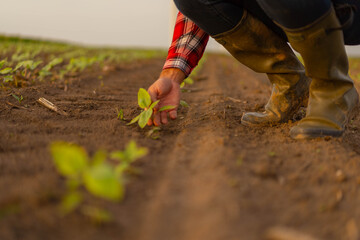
187, 47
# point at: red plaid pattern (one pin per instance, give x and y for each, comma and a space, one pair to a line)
187, 47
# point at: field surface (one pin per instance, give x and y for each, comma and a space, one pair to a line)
205, 177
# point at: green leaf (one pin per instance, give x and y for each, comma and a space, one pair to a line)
6, 70
34, 65
44, 73
51, 64
101, 181
19, 99
134, 120
169, 107
70, 202
189, 81
70, 160
2, 63
8, 78
144, 99
55, 62
130, 154
99, 157
154, 104
21, 64
182, 85
144, 117
184, 104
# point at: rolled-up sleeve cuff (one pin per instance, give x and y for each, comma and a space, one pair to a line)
180, 63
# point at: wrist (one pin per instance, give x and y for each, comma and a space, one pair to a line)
174, 74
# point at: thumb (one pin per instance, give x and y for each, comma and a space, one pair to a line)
154, 97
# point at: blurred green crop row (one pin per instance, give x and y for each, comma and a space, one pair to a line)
26, 61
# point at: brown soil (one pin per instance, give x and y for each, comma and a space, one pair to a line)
206, 177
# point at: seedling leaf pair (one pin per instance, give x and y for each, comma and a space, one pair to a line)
96, 175
99, 179
130, 154
144, 101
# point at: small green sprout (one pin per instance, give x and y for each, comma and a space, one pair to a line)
19, 99
144, 101
120, 114
239, 161
153, 133
184, 104
127, 157
272, 154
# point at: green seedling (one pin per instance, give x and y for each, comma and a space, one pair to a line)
184, 104
19, 99
96, 175
272, 154
8, 78
144, 101
188, 81
131, 153
45, 71
28, 64
120, 114
152, 133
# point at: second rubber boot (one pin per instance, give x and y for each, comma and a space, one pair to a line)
253, 44
333, 96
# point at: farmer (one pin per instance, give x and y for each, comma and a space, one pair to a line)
256, 34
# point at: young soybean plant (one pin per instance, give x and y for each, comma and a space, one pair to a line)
144, 101
97, 176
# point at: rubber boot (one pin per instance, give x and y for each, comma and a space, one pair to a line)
333, 96
253, 44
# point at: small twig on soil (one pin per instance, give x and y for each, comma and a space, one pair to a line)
16, 106
51, 106
234, 100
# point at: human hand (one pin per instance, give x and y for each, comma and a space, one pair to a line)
166, 89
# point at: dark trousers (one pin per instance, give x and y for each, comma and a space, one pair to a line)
219, 16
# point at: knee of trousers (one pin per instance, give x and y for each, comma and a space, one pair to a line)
190, 7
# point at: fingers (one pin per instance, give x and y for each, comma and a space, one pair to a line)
153, 96
150, 122
161, 118
173, 114
156, 118
164, 119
